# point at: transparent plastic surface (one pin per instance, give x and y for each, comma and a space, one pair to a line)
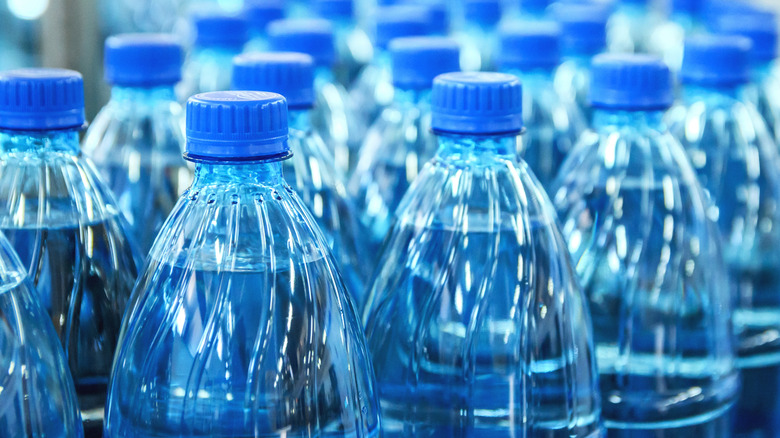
650, 261
373, 89
572, 83
396, 148
68, 231
553, 126
667, 39
354, 49
337, 121
207, 69
136, 141
475, 321
630, 27
737, 162
38, 399
315, 178
479, 45
242, 326
764, 94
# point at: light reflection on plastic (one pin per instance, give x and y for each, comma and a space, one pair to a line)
28, 9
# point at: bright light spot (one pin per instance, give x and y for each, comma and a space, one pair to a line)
28, 9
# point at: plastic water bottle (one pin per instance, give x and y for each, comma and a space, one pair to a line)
667, 39
531, 51
764, 89
311, 170
334, 116
734, 155
475, 321
219, 37
258, 14
137, 139
242, 325
479, 36
649, 259
353, 45
439, 13
583, 36
400, 142
373, 90
38, 396
64, 224
630, 26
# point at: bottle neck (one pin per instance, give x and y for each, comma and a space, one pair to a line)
66, 141
404, 96
536, 78
693, 92
299, 118
267, 172
163, 93
604, 118
469, 147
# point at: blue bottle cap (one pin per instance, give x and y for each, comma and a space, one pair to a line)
311, 36
287, 73
485, 13
418, 60
41, 99
143, 60
477, 103
335, 9
218, 29
529, 46
236, 125
259, 13
583, 28
759, 27
400, 21
714, 60
534, 6
630, 83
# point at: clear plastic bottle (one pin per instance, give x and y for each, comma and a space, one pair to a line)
667, 39
531, 50
334, 116
475, 322
400, 142
353, 45
137, 139
258, 14
242, 326
649, 259
764, 90
373, 90
219, 37
38, 399
311, 170
479, 35
583, 36
737, 163
630, 25
65, 225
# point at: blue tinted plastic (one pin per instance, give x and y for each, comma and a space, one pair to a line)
553, 125
733, 154
136, 141
397, 146
373, 89
630, 27
315, 178
207, 69
68, 231
475, 321
764, 94
242, 324
38, 399
479, 35
649, 259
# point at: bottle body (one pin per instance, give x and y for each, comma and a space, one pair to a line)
136, 141
650, 262
474, 317
315, 178
373, 89
354, 49
69, 233
38, 395
242, 326
396, 148
733, 154
764, 94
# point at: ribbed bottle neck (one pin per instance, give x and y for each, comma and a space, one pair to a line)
603, 118
460, 147
66, 141
163, 93
692, 92
268, 172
